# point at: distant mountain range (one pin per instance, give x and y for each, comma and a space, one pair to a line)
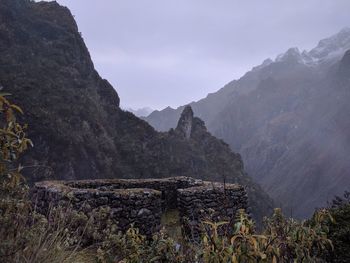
289, 118
141, 112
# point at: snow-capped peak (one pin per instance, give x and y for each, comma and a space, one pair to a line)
327, 49
333, 45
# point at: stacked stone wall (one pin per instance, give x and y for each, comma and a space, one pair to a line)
142, 202
211, 201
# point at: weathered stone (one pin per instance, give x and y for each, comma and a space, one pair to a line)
142, 202
144, 212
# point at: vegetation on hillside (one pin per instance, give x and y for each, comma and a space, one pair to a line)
64, 235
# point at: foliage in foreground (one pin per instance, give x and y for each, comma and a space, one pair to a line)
27, 236
282, 240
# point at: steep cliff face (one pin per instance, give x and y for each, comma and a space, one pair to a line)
288, 119
47, 68
75, 122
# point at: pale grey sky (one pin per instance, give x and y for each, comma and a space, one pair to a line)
162, 53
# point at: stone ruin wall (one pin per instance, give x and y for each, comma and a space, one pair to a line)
143, 201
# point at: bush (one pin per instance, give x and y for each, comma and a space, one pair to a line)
25, 235
282, 240
132, 247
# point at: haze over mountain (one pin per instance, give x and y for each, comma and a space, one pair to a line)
289, 118
141, 112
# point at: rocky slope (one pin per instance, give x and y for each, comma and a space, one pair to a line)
75, 122
288, 119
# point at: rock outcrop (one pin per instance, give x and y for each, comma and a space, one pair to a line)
185, 124
74, 118
189, 126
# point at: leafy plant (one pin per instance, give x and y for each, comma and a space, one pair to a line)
13, 143
132, 247
282, 240
25, 235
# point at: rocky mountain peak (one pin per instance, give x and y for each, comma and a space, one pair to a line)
332, 45
185, 123
291, 54
328, 49
140, 112
265, 63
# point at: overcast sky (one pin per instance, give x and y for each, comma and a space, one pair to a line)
160, 53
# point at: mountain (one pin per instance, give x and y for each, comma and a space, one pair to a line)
142, 112
288, 118
78, 129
